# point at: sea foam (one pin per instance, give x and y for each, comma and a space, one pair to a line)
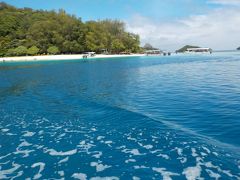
53, 152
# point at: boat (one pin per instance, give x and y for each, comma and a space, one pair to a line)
199, 50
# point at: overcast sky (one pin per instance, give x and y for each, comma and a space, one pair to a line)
166, 24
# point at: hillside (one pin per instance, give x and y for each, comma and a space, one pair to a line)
148, 46
30, 32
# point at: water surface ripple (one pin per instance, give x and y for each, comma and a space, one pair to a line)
132, 118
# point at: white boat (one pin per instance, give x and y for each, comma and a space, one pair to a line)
199, 50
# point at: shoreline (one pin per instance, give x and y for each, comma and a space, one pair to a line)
61, 57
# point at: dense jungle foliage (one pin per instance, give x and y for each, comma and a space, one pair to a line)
32, 32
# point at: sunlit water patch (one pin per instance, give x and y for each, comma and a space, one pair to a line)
152, 118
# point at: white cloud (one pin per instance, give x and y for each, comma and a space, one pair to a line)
219, 29
225, 2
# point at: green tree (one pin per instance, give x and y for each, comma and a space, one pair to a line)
20, 51
117, 46
53, 50
33, 50
10, 52
43, 29
4, 45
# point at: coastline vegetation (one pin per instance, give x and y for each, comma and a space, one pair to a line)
24, 31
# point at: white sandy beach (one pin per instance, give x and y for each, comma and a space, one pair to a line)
61, 57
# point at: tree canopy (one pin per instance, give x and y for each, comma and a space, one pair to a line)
53, 50
30, 32
33, 50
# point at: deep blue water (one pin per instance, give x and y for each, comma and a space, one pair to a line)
148, 117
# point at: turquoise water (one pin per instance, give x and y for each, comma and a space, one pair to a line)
127, 118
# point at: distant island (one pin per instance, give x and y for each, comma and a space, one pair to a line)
148, 46
238, 48
38, 32
183, 49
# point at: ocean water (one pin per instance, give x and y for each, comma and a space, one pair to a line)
134, 118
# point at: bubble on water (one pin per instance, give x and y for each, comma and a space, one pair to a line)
206, 149
61, 173
130, 160
28, 134
213, 174
165, 156
80, 176
53, 152
104, 178
135, 178
100, 137
63, 160
41, 168
4, 173
140, 167
5, 130
108, 142
192, 173
134, 152
98, 155
99, 167
165, 174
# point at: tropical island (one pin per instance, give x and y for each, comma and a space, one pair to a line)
24, 31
